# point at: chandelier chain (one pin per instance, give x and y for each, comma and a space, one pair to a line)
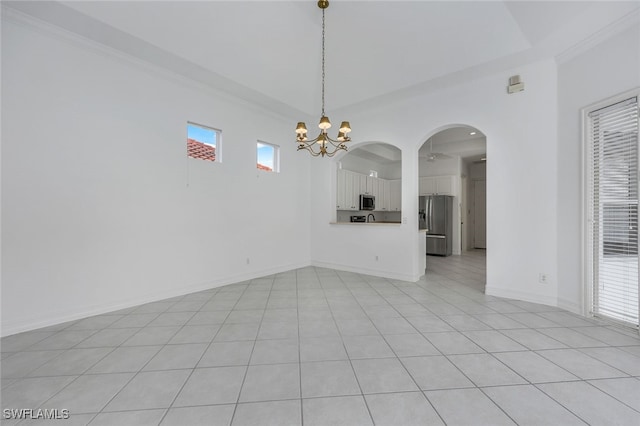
323, 145
323, 62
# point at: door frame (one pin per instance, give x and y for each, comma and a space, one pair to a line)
586, 271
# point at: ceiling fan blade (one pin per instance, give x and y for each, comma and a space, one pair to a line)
440, 156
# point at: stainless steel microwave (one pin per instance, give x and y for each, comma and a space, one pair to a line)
367, 202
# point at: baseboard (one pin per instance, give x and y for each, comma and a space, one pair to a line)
570, 305
9, 328
520, 295
367, 271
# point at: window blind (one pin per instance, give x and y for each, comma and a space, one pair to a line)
613, 189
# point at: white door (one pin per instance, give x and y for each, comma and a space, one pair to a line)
480, 214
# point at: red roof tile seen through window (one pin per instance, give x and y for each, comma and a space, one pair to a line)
196, 149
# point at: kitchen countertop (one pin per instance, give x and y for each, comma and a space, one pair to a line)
364, 223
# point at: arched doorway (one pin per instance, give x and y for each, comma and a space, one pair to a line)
452, 203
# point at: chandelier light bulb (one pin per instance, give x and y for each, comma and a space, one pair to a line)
324, 123
301, 128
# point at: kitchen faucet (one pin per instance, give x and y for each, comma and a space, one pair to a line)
371, 214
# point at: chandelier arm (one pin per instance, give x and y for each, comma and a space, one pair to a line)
333, 153
310, 149
313, 154
338, 145
335, 142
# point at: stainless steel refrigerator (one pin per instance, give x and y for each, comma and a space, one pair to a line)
436, 216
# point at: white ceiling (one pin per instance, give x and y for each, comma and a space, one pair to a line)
456, 142
380, 153
268, 52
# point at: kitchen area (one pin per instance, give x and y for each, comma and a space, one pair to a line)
369, 186
449, 208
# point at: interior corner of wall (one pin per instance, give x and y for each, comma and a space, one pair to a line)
571, 306
525, 296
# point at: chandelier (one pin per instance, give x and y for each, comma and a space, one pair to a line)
323, 144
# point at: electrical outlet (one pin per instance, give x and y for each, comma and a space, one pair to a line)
248, 261
376, 258
543, 278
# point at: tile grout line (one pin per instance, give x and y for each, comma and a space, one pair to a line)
366, 404
299, 352
200, 359
419, 389
612, 396
139, 371
113, 349
255, 340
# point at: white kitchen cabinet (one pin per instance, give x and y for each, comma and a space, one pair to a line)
382, 199
341, 201
444, 185
351, 184
348, 190
395, 195
375, 188
371, 186
363, 184
438, 185
427, 186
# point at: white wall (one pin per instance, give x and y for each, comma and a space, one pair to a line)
521, 195
101, 209
603, 71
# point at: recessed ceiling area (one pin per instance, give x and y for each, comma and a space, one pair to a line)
465, 142
268, 52
380, 153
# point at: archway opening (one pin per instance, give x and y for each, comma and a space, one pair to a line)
369, 184
452, 203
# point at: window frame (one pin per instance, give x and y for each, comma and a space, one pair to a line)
276, 156
217, 146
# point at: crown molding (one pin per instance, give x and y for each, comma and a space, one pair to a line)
252, 100
602, 35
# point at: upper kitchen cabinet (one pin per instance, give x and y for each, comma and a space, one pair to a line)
348, 190
438, 185
395, 195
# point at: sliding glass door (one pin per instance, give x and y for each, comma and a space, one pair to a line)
613, 210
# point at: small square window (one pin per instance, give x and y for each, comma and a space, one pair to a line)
268, 156
203, 142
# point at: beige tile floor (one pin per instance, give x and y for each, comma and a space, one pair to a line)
323, 347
